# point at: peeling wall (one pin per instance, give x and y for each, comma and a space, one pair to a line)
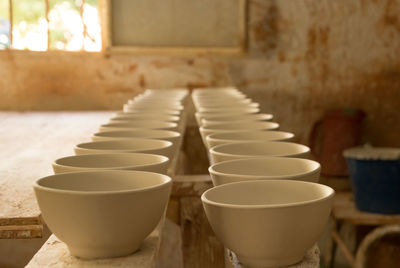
304, 57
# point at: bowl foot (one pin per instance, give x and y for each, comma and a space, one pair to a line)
101, 253
249, 262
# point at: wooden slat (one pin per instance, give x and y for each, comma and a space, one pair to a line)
191, 185
21, 231
344, 209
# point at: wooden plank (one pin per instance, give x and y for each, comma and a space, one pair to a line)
30, 143
54, 253
199, 245
191, 185
21, 231
310, 260
344, 209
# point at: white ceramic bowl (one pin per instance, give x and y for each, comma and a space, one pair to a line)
240, 150
243, 136
206, 115
121, 161
153, 110
265, 168
137, 145
167, 135
139, 124
229, 127
268, 223
236, 119
103, 214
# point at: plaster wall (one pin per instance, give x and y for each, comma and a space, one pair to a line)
304, 57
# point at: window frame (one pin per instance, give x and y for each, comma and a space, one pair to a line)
110, 49
50, 50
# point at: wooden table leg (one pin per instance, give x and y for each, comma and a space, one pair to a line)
330, 259
349, 256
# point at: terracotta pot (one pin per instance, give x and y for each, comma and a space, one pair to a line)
336, 131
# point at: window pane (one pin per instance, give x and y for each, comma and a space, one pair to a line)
29, 25
4, 24
67, 29
91, 17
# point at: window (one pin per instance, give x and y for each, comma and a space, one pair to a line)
206, 26
42, 25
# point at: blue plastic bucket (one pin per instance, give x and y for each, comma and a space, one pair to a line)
375, 178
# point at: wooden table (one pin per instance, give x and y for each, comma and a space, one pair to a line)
30, 142
345, 211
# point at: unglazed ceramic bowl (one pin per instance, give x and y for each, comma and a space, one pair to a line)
167, 135
146, 114
236, 119
161, 102
206, 115
121, 161
178, 92
134, 117
214, 103
268, 223
230, 110
139, 124
161, 147
219, 100
223, 108
103, 214
157, 105
153, 110
244, 136
229, 127
240, 150
265, 168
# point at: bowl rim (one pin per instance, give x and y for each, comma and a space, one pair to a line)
329, 195
263, 125
133, 117
226, 112
248, 117
174, 134
316, 166
164, 143
36, 185
211, 138
217, 108
161, 159
213, 149
132, 124
174, 110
